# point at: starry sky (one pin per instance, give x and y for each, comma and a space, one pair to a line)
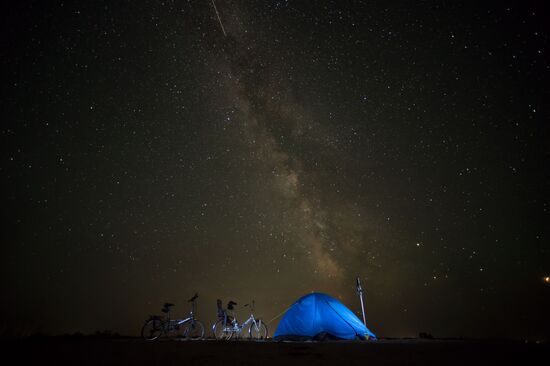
149, 154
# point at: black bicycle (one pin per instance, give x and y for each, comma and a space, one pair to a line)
188, 328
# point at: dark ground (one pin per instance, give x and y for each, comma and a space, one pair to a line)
63, 351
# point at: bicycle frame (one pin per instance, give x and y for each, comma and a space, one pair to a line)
169, 324
235, 327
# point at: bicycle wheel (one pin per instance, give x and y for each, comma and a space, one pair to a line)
222, 331
258, 331
193, 330
152, 330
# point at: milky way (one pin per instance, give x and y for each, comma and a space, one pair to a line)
268, 118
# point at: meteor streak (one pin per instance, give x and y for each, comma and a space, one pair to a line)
219, 19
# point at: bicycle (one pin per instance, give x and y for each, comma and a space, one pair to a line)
227, 325
156, 326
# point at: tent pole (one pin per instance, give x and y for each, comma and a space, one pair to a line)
360, 293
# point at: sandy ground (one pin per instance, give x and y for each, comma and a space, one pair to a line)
62, 351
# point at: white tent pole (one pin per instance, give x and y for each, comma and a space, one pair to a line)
360, 293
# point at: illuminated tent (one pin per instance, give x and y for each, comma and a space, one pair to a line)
319, 316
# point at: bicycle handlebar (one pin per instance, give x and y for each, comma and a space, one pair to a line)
193, 298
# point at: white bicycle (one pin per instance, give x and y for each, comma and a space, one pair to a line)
227, 326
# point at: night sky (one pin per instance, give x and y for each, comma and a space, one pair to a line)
148, 156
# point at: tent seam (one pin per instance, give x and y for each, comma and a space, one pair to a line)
345, 321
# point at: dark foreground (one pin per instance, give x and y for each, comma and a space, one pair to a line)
61, 351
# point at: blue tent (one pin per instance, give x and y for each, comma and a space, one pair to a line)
318, 316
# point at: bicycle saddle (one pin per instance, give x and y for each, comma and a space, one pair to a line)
166, 307
230, 305
193, 298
